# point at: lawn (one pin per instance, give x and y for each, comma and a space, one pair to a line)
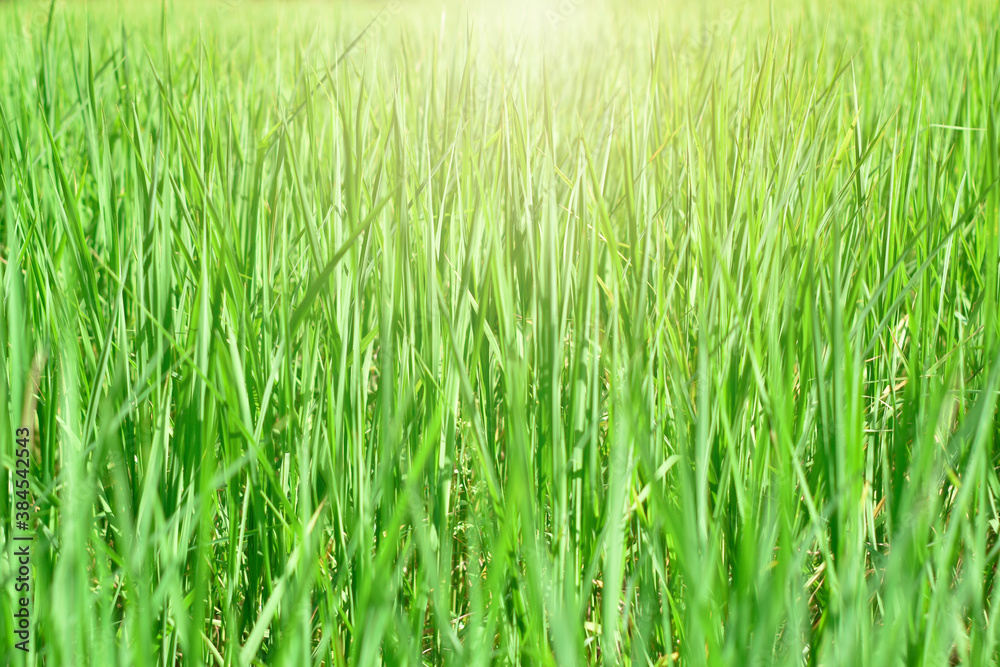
538, 333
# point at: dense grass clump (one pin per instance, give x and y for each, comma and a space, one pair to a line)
559, 334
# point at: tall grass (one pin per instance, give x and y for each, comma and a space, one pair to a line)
640, 336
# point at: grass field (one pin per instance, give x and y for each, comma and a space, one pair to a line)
555, 334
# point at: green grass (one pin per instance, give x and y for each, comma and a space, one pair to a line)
638, 336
